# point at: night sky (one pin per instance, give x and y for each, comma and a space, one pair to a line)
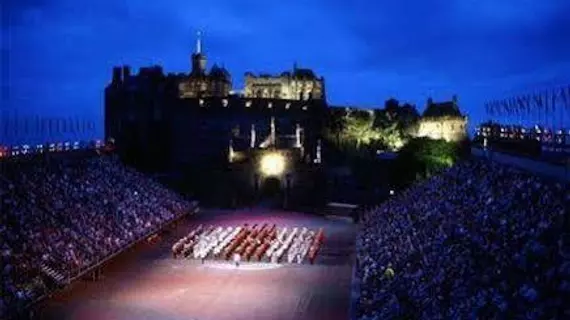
58, 54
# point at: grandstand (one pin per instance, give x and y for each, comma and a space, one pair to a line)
481, 240
65, 214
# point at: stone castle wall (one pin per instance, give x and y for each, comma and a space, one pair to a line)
446, 128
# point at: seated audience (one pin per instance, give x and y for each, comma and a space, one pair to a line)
479, 241
64, 214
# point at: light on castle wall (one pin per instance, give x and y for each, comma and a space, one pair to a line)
272, 164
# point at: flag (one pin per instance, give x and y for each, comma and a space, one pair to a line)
553, 99
528, 99
566, 97
38, 126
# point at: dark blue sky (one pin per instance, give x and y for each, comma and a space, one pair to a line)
58, 54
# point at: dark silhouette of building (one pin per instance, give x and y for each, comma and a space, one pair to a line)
171, 123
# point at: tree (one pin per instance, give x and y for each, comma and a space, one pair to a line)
360, 127
421, 157
335, 124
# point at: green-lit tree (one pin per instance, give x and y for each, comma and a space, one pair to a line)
360, 128
422, 157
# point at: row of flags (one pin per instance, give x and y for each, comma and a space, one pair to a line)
547, 101
14, 125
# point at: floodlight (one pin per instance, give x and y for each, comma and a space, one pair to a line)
272, 164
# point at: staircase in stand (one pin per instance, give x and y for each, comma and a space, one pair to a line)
53, 274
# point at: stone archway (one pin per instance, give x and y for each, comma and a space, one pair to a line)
270, 187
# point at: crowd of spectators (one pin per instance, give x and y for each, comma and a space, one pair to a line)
479, 241
62, 215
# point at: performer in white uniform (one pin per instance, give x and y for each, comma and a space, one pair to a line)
237, 259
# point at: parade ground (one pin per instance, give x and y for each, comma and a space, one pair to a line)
148, 283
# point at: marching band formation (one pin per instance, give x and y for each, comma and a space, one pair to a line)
251, 243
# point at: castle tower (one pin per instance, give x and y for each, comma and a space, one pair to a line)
199, 59
117, 75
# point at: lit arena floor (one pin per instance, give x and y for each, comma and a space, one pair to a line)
147, 283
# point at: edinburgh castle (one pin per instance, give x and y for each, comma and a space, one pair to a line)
171, 119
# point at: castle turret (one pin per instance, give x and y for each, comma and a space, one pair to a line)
117, 75
199, 60
298, 135
126, 73
272, 131
252, 142
318, 158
